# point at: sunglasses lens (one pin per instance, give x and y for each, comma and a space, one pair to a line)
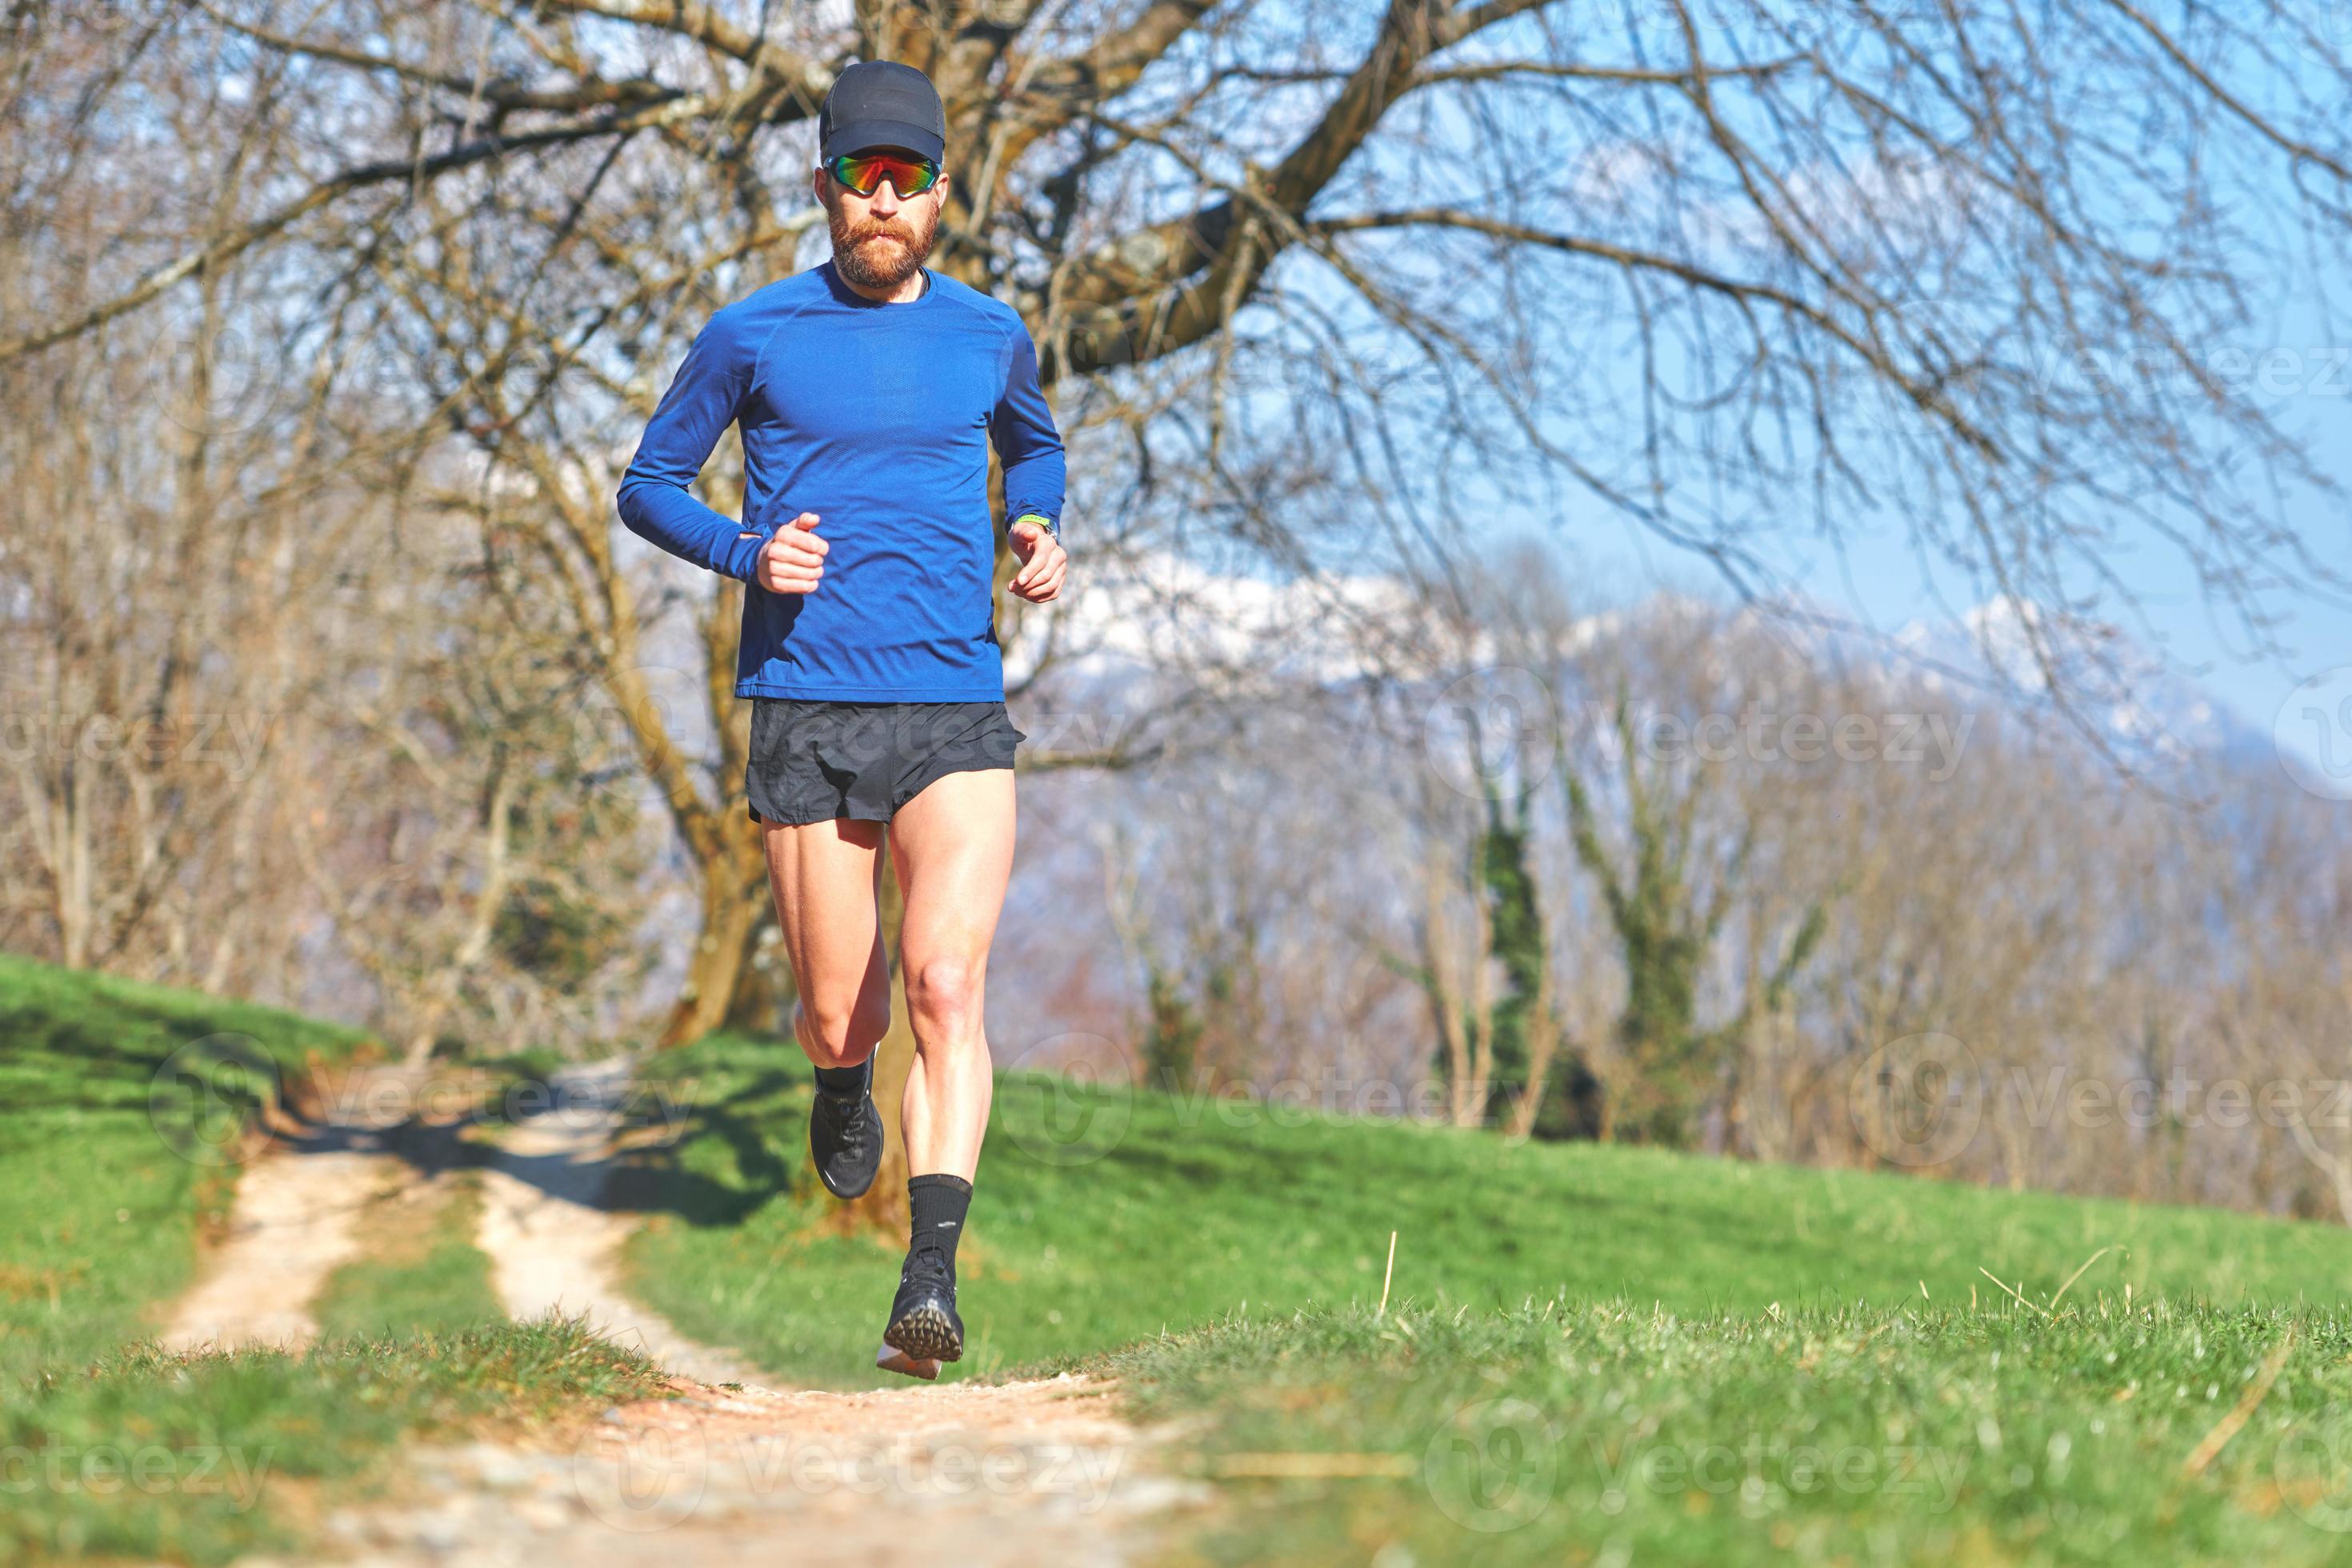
908, 176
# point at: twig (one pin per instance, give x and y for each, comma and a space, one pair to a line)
2080, 1272
1386, 1275
2227, 1427
2013, 1295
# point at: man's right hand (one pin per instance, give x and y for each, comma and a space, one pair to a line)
792, 561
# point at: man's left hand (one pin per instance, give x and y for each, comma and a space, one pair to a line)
1039, 580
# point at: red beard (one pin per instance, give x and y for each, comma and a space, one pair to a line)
865, 257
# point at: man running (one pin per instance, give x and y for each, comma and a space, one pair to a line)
868, 389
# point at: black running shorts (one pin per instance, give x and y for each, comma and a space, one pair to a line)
813, 761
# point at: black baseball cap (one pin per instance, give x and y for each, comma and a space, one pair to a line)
881, 103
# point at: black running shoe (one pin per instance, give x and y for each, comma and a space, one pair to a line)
846, 1139
923, 1320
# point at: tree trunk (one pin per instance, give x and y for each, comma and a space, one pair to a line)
1543, 1044
734, 889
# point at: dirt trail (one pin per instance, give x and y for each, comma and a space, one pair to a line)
299, 1216
295, 1222
1020, 1474
552, 1245
1017, 1474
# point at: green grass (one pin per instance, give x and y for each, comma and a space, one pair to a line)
1101, 1217
110, 1155
123, 1105
1620, 1433
199, 1458
422, 1273
1592, 1355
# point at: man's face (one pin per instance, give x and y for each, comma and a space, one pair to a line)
880, 241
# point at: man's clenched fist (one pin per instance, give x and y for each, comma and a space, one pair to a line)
794, 561
1041, 562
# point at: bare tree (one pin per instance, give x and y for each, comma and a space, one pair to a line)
1780, 266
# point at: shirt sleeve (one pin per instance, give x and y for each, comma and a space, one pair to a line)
703, 400
1026, 441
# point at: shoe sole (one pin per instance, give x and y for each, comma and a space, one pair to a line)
890, 1358
925, 1333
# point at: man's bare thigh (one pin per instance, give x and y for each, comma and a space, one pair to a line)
827, 880
952, 845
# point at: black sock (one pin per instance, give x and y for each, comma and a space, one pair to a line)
940, 1204
847, 1083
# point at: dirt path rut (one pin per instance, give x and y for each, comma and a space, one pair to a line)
1019, 1474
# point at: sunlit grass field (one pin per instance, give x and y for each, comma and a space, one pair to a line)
1102, 1216
1610, 1432
1586, 1354
122, 1106
1590, 1355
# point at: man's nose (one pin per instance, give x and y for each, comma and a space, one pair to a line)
885, 198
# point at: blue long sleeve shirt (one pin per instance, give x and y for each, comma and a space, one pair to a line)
877, 418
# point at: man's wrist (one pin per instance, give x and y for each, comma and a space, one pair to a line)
1042, 521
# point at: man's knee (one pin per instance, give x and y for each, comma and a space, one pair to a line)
946, 991
843, 1036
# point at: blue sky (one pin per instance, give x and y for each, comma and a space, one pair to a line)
2297, 369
